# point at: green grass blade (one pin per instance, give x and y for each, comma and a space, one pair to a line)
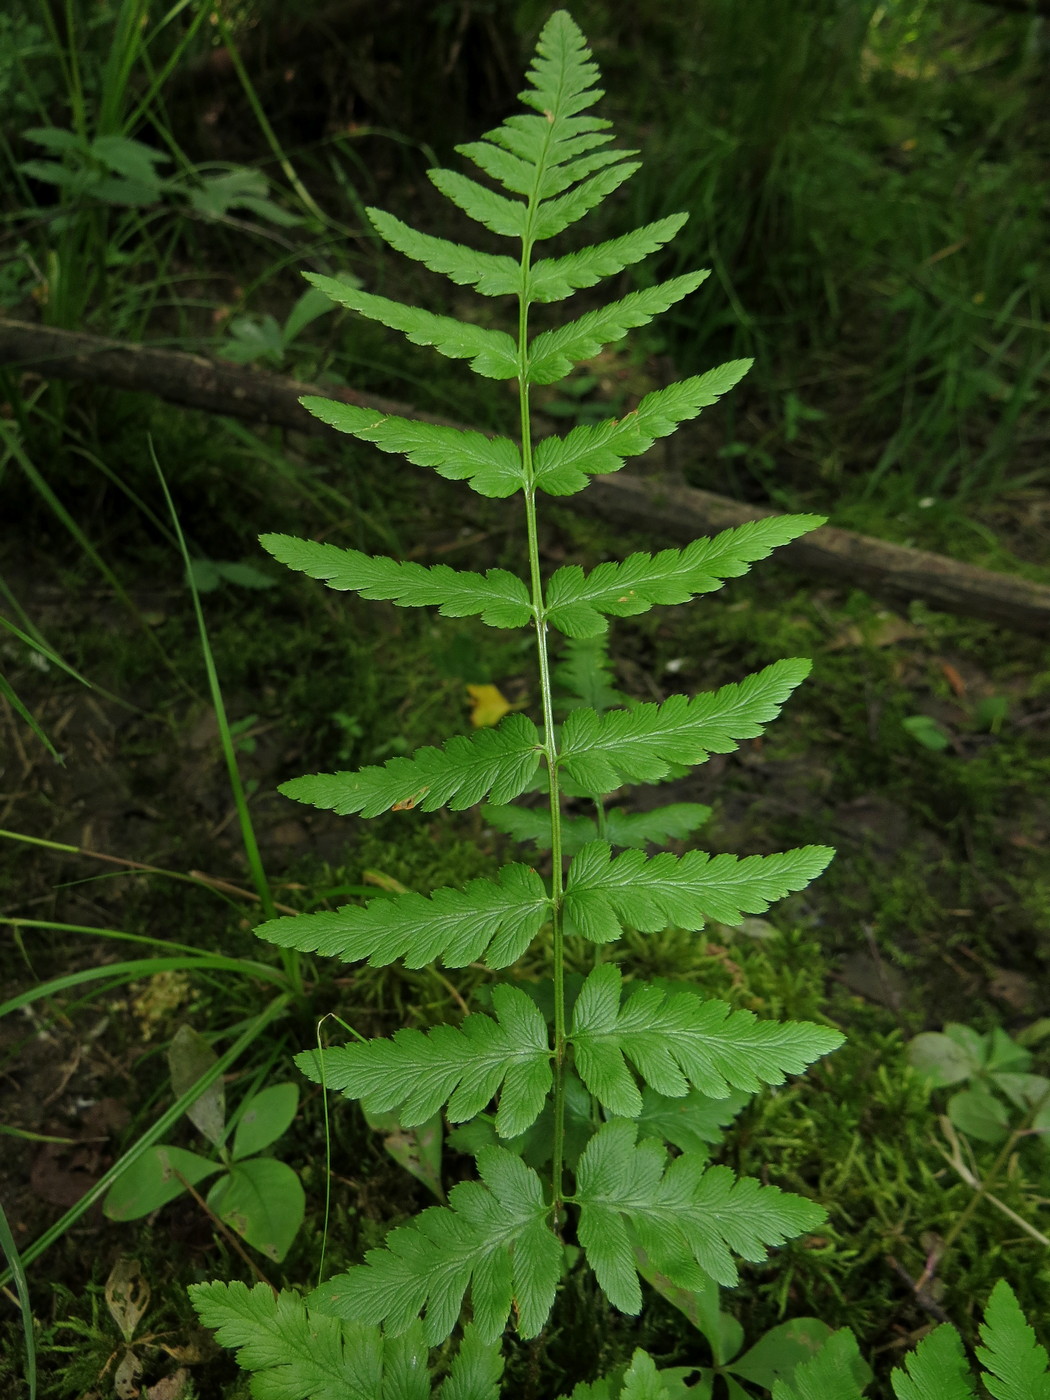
9, 693
142, 967
17, 1270
251, 846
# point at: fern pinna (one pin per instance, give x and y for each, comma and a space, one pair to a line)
622, 1047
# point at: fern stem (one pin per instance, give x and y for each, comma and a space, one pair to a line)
550, 747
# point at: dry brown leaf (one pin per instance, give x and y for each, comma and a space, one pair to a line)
127, 1295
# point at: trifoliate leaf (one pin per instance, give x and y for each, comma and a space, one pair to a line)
601, 752
833, 1374
1015, 1364
492, 354
684, 1215
604, 893
553, 354
499, 761
575, 600
562, 465
935, 1370
296, 1351
553, 279
491, 274
490, 919
498, 597
418, 1072
492, 1237
675, 1040
491, 466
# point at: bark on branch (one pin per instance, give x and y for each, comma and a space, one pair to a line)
894, 572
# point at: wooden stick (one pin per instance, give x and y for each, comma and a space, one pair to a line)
668, 513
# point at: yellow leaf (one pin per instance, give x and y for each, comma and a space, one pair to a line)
487, 705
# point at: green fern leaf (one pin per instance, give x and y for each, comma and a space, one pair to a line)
676, 1040
494, 919
500, 215
419, 1072
677, 1212
556, 215
603, 893
520, 176
575, 601
492, 466
492, 354
830, 1375
499, 761
492, 1237
600, 752
553, 279
562, 465
297, 1352
553, 354
491, 274
935, 1370
642, 1380
1016, 1364
636, 829
693, 1123
498, 597
476, 1371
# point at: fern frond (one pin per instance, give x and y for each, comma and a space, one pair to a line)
603, 893
554, 279
833, 1374
575, 601
492, 1237
491, 466
675, 1040
519, 176
491, 274
584, 671
484, 206
476, 1371
935, 1370
497, 919
678, 1212
636, 829
553, 354
554, 216
1016, 1364
492, 354
418, 1072
563, 464
297, 1351
600, 752
498, 597
500, 761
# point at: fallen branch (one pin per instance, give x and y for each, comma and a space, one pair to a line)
893, 572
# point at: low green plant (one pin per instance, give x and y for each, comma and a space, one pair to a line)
258, 1196
593, 1077
997, 1073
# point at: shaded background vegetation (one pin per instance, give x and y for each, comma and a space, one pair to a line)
869, 185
